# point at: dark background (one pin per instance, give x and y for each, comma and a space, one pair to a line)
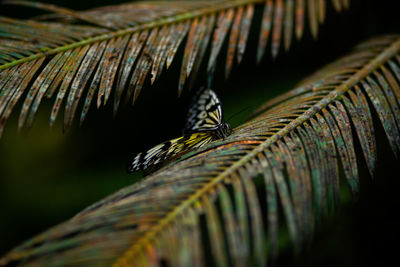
47, 176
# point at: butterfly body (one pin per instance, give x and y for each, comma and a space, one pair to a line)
222, 131
204, 125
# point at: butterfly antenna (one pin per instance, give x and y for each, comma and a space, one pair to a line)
237, 113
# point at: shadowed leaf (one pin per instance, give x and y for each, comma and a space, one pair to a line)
296, 144
78, 54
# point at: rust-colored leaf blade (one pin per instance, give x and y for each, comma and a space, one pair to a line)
277, 28
288, 24
244, 32
321, 10
80, 81
224, 22
133, 48
360, 118
113, 58
182, 31
300, 11
313, 17
266, 25
385, 115
73, 65
143, 66
233, 39
345, 146
165, 36
215, 233
26, 73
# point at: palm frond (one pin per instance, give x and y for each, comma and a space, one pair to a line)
295, 147
118, 47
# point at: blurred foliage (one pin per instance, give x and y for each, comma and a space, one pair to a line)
47, 176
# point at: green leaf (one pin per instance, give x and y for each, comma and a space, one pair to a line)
295, 143
116, 48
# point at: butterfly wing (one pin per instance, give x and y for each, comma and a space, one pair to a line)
168, 150
203, 124
205, 113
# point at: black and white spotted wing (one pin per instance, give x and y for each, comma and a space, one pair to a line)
204, 125
168, 150
205, 113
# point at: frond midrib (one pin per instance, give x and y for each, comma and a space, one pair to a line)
149, 25
373, 64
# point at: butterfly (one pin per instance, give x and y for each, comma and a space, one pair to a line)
204, 125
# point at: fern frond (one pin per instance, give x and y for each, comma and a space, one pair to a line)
295, 146
124, 44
